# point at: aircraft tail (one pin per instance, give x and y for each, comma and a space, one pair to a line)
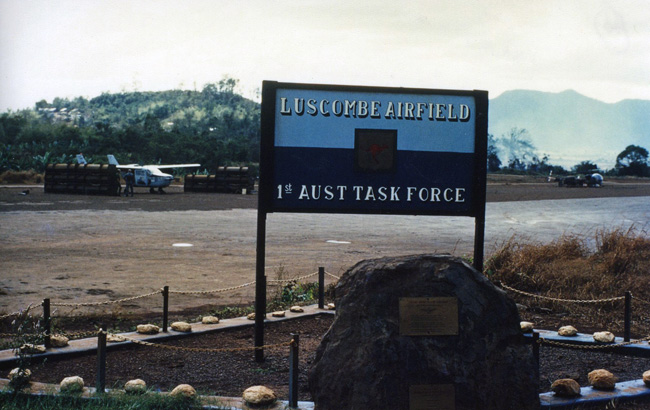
81, 160
112, 160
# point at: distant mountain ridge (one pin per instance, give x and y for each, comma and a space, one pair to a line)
571, 127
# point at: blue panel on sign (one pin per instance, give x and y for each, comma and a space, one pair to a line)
327, 119
372, 150
421, 181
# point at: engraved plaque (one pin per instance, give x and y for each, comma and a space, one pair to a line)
428, 316
432, 397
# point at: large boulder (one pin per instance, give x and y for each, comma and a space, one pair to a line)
364, 362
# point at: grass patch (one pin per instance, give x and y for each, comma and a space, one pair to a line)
21, 177
570, 269
111, 401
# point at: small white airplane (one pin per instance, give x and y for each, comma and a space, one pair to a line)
146, 175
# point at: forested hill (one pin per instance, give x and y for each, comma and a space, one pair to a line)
214, 127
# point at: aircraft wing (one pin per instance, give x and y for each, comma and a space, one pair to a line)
128, 166
177, 166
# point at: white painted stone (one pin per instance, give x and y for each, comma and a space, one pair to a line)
58, 341
72, 384
566, 388
602, 379
148, 329
567, 331
526, 327
112, 338
646, 378
181, 327
135, 386
604, 337
29, 348
209, 320
259, 396
184, 390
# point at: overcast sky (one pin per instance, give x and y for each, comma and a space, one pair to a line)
69, 48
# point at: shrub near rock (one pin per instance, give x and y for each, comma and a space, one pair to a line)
19, 378
18, 372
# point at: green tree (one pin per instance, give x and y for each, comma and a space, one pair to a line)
585, 167
633, 160
493, 161
518, 148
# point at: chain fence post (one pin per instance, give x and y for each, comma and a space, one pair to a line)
293, 371
165, 293
321, 287
536, 351
47, 322
260, 316
628, 314
101, 360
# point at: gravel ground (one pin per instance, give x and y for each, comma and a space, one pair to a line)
228, 374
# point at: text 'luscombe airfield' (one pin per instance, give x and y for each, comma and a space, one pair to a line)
399, 110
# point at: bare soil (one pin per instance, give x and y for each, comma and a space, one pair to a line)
127, 265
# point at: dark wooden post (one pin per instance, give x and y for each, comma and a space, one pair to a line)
628, 314
101, 360
260, 281
165, 308
260, 315
47, 323
536, 351
293, 371
321, 287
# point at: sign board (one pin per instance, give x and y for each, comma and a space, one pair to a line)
432, 397
369, 150
422, 316
346, 149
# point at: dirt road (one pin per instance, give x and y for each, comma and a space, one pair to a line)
88, 249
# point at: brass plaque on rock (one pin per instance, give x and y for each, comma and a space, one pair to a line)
432, 397
428, 316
